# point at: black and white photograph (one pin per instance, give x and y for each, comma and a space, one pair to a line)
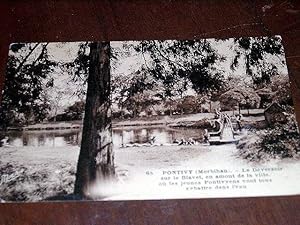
150, 119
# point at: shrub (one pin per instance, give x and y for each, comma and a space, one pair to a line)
282, 139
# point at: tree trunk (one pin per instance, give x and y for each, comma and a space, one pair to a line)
96, 159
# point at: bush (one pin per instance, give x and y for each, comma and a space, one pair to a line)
278, 141
282, 139
245, 98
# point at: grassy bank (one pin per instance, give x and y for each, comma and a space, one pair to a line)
34, 174
28, 183
31, 174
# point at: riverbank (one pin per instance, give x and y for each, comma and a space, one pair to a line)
34, 174
187, 120
254, 148
49, 126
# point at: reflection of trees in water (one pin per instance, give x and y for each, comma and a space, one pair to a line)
120, 136
73, 139
25, 140
41, 140
127, 136
49, 139
161, 135
138, 136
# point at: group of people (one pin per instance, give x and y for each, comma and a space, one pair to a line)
220, 121
182, 141
221, 117
152, 142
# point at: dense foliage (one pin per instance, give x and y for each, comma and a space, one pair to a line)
256, 54
171, 73
23, 98
177, 64
281, 139
239, 98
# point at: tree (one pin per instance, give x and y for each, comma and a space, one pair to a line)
25, 81
281, 88
190, 104
169, 70
238, 98
179, 65
55, 102
96, 157
75, 111
277, 91
140, 102
132, 92
256, 53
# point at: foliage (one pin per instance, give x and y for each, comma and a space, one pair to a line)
255, 53
132, 91
277, 91
139, 102
173, 68
178, 64
282, 139
79, 68
36, 183
169, 69
190, 104
75, 111
266, 95
27, 69
281, 86
278, 141
239, 97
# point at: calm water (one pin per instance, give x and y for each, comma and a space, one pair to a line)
44, 138
161, 135
120, 136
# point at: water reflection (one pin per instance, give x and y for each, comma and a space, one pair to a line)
120, 136
45, 138
161, 135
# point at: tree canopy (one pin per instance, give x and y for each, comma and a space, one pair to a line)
180, 64
257, 53
27, 69
168, 70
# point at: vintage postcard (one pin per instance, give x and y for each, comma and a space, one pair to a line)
152, 119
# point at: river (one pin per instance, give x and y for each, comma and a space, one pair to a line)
121, 136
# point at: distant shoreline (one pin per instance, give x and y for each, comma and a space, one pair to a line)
186, 120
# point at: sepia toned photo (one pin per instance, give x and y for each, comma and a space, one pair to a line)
151, 119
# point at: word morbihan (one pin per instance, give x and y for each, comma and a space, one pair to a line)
151, 119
